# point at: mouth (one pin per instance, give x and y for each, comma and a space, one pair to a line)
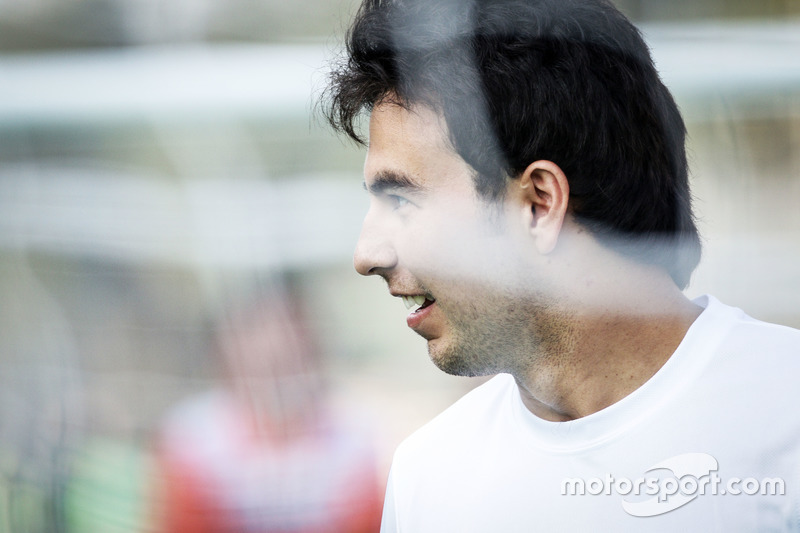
421, 300
423, 303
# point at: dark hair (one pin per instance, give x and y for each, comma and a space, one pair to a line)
570, 81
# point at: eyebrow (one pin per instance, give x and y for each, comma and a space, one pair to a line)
390, 180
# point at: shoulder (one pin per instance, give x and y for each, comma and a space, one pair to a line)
466, 421
743, 332
765, 355
747, 335
748, 358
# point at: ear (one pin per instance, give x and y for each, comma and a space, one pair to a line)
545, 197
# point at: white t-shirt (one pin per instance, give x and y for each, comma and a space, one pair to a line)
721, 416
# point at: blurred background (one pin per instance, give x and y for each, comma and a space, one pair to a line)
168, 195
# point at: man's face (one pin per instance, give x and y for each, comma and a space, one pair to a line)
434, 239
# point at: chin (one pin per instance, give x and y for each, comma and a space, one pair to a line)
456, 362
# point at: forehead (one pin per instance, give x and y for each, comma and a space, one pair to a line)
413, 143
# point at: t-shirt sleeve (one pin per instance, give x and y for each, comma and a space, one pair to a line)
389, 519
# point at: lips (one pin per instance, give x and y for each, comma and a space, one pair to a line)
416, 317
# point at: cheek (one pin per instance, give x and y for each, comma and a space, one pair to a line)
427, 251
454, 248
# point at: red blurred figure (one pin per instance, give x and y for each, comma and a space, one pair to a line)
266, 454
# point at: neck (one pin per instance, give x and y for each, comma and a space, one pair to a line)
608, 344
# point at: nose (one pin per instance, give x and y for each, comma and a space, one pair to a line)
374, 253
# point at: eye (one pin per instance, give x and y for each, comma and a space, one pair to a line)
397, 201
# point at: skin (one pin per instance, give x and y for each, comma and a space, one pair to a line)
272, 368
519, 286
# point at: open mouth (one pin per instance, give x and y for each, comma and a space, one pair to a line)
421, 300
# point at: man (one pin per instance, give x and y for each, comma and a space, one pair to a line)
529, 197
265, 452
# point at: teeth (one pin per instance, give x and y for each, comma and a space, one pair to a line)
411, 301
